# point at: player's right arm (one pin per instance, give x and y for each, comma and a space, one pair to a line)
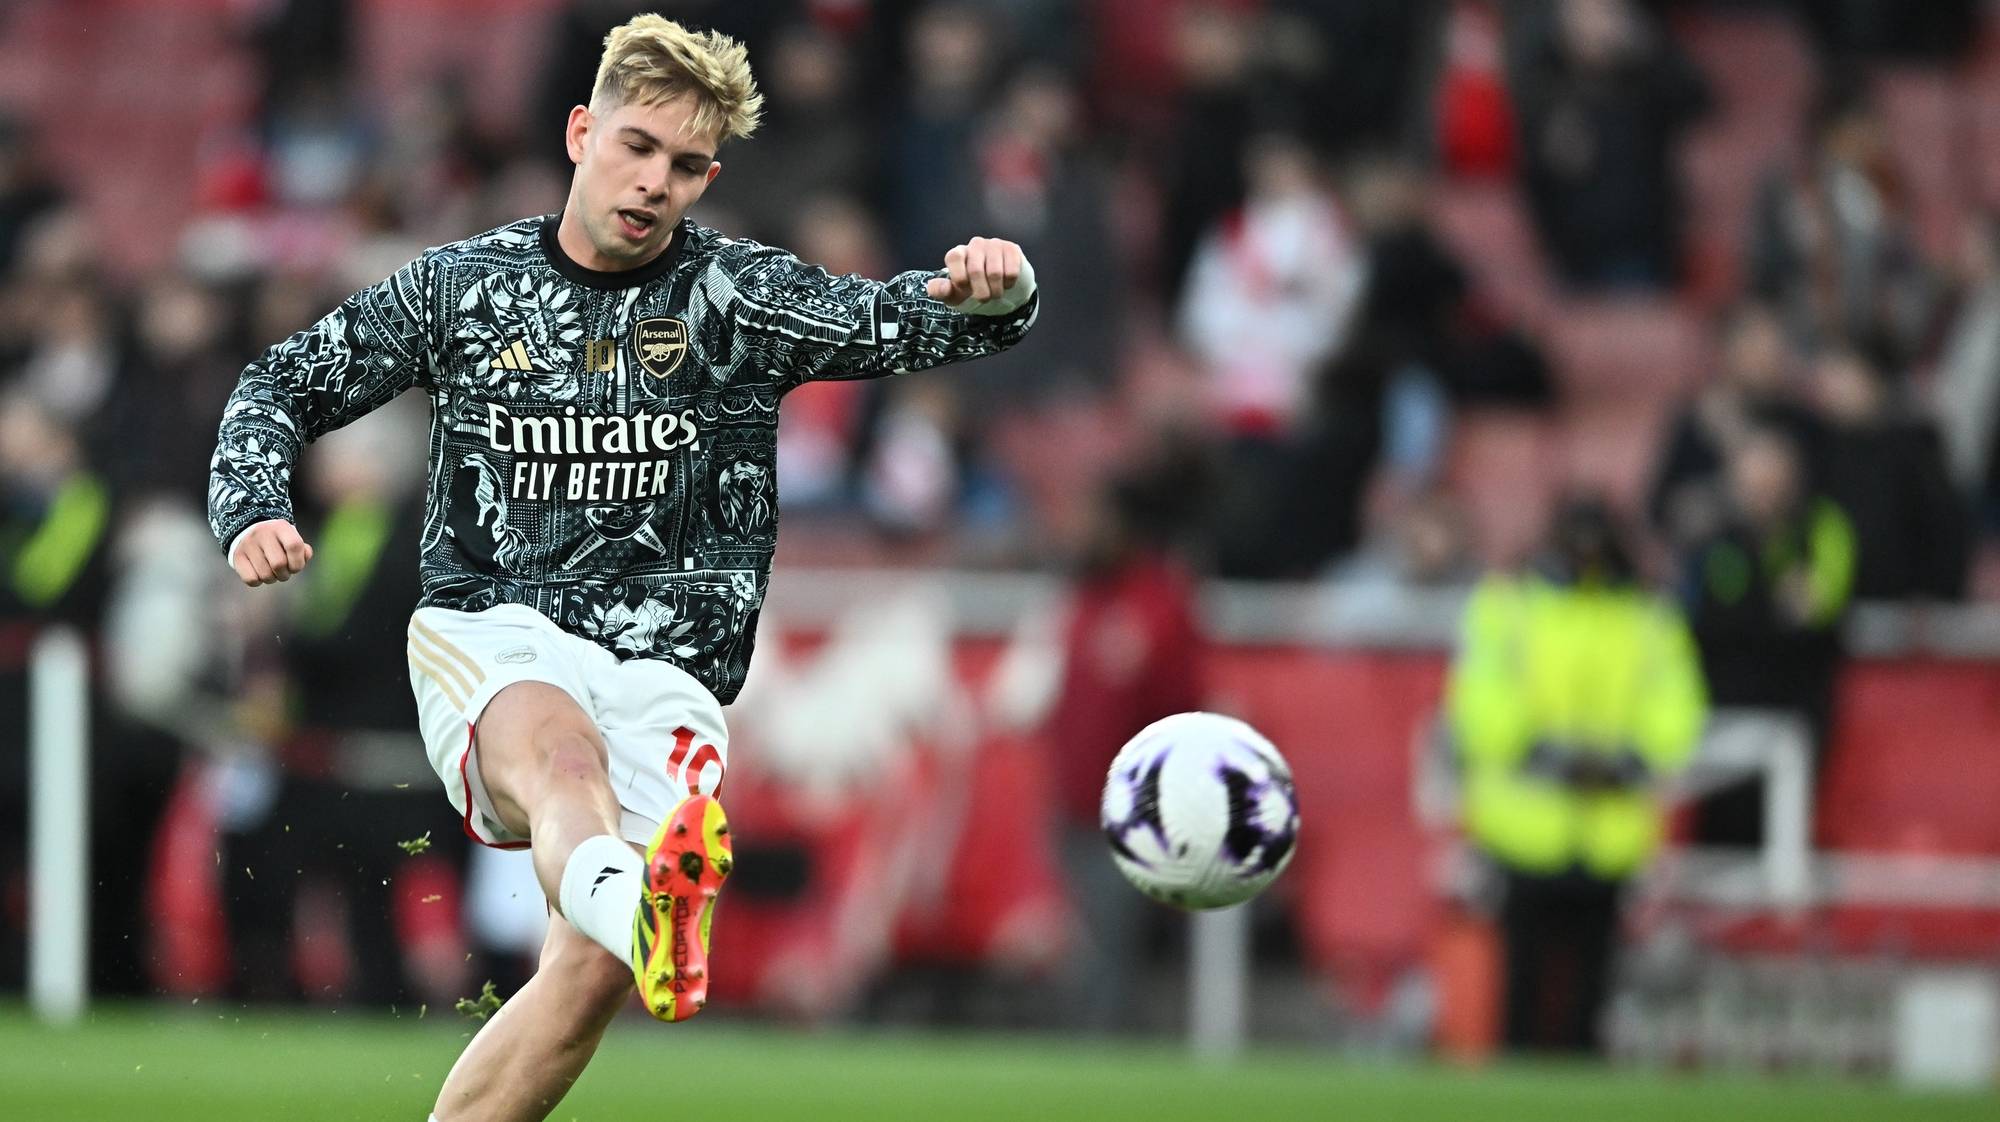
375, 345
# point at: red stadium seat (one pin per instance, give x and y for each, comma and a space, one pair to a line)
404, 44
1487, 226
157, 81
1929, 126
1758, 64
1611, 449
1760, 72
1628, 350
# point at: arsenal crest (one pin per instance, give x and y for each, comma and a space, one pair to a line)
661, 344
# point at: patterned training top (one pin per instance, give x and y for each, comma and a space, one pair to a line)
602, 444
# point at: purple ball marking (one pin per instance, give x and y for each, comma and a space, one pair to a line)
1145, 810
1255, 849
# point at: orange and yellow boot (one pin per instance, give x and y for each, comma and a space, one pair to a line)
685, 868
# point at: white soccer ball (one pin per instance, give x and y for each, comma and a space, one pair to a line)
1200, 812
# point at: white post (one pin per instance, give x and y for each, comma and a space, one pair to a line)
1218, 981
58, 826
1788, 816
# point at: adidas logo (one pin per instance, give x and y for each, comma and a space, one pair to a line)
515, 357
603, 875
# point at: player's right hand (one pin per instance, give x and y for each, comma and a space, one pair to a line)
270, 551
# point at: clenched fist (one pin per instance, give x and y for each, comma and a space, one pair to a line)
269, 551
984, 277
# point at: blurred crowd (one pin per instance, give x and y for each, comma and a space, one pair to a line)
1234, 203
1230, 207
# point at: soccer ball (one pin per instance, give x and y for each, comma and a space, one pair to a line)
1199, 811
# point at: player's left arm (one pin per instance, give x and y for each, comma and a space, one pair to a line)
813, 325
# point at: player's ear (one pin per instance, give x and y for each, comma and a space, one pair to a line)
714, 169
573, 134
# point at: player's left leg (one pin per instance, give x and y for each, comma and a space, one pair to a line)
526, 1058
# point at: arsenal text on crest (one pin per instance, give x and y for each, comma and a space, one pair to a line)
661, 344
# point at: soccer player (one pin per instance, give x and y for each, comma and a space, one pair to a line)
601, 516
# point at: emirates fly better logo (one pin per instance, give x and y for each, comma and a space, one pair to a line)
587, 457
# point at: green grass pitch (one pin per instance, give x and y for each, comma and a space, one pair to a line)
143, 1064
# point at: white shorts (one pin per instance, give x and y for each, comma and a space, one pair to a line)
663, 729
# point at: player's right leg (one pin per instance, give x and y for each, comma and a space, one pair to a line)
542, 764
508, 714
542, 777
510, 710
543, 767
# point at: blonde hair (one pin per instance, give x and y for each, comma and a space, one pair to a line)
650, 59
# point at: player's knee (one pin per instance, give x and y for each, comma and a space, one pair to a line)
570, 756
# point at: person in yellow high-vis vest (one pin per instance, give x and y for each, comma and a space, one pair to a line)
55, 519
1574, 694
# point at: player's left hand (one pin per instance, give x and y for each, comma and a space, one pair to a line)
982, 276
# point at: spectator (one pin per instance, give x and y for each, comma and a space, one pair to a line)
74, 356
54, 526
1437, 344
1936, 31
1767, 591
154, 428
300, 45
1267, 312
1272, 291
932, 166
1602, 102
425, 181
1201, 169
27, 191
912, 476
1361, 64
1473, 113
827, 430
813, 132
1575, 694
1132, 652
184, 659
1832, 248
320, 142
58, 514
1043, 189
1967, 390
1753, 388
1885, 468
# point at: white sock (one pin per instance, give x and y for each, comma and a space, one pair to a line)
600, 892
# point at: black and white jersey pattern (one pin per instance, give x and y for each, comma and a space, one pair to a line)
603, 444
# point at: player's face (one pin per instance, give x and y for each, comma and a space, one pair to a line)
638, 169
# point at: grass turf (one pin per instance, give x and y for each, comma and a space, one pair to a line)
143, 1063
